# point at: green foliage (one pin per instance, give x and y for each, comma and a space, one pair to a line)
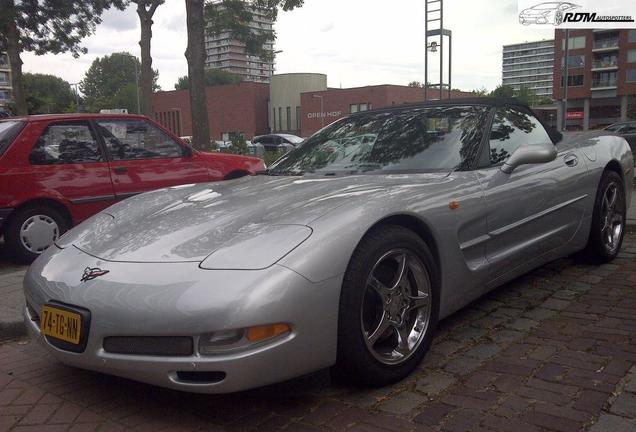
480, 92
110, 82
239, 145
47, 94
235, 16
272, 156
503, 91
213, 77
53, 26
416, 84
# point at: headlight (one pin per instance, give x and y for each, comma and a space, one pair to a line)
257, 250
226, 341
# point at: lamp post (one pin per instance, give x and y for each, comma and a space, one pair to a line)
322, 110
136, 79
76, 95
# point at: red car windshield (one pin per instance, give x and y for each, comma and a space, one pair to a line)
9, 129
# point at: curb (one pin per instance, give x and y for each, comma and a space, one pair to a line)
12, 330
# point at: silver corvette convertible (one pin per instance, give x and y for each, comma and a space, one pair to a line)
344, 254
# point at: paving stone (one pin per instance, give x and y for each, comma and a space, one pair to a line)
625, 405
402, 403
555, 304
483, 351
630, 384
522, 324
539, 314
505, 335
462, 365
434, 383
467, 334
612, 423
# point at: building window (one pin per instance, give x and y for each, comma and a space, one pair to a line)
353, 108
274, 120
632, 36
574, 81
631, 75
280, 119
4, 77
298, 118
576, 42
574, 61
364, 107
288, 118
631, 56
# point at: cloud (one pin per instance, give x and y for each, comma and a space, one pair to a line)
363, 43
120, 20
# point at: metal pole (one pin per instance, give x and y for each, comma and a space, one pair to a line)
565, 80
450, 63
137, 85
441, 50
322, 112
425, 49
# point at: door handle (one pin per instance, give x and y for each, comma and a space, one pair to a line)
120, 170
571, 160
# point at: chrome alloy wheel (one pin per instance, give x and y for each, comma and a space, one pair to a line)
396, 306
612, 223
38, 233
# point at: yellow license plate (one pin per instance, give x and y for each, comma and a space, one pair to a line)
61, 324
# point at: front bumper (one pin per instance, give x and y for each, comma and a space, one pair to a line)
180, 299
4, 216
536, 19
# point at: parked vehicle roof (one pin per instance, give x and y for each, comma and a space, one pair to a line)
491, 101
73, 116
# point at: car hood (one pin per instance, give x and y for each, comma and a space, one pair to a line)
188, 223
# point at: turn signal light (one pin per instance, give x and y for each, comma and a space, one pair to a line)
259, 333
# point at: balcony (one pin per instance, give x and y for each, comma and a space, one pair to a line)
604, 83
605, 44
605, 64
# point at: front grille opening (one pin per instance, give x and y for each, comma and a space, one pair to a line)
165, 346
200, 377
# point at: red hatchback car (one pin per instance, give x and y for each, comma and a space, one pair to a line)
57, 170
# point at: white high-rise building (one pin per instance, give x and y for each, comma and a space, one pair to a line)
530, 65
226, 53
5, 80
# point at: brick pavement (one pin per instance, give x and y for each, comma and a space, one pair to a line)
11, 296
553, 351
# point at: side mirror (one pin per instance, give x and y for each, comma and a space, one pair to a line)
530, 154
187, 151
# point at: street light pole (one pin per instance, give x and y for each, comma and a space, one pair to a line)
136, 79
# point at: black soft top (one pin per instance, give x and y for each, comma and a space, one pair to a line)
487, 101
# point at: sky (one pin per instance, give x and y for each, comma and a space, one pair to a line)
355, 42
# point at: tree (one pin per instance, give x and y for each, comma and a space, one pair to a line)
234, 17
213, 77
146, 10
524, 94
503, 91
46, 94
480, 92
110, 82
46, 26
416, 84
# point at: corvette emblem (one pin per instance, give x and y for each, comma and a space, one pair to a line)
92, 273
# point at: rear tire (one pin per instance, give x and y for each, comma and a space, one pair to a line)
31, 230
407, 305
608, 220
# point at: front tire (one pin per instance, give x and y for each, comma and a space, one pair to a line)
33, 229
389, 307
608, 220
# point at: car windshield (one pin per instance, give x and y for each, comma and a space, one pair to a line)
9, 129
424, 139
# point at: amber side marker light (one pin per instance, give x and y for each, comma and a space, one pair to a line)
259, 333
453, 205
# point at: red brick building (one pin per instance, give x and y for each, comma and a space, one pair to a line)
601, 76
245, 107
231, 108
338, 103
